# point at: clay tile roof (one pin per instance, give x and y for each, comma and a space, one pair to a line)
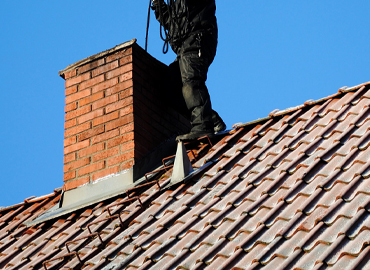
290, 191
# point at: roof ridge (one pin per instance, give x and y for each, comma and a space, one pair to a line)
310, 102
31, 199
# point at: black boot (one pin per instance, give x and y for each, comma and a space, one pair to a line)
201, 120
218, 124
195, 134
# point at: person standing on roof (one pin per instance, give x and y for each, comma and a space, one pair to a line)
190, 27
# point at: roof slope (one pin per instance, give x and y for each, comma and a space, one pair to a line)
287, 192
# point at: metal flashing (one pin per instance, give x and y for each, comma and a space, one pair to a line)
89, 194
191, 175
182, 167
109, 186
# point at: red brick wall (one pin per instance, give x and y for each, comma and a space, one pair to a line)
113, 114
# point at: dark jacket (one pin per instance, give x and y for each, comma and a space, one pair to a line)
187, 18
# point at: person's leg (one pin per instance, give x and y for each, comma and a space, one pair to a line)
208, 42
174, 95
194, 75
196, 56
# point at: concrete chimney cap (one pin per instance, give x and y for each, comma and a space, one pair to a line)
97, 56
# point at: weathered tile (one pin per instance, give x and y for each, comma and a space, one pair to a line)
313, 159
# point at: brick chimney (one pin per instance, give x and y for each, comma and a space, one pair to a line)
114, 114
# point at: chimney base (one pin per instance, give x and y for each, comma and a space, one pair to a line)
109, 186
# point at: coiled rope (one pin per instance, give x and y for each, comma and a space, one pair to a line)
174, 24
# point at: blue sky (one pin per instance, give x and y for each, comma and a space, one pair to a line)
271, 55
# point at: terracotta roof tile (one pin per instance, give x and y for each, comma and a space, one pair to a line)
289, 191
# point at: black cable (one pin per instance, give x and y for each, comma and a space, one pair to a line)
162, 28
147, 26
173, 24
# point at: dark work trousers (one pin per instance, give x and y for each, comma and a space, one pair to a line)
188, 75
